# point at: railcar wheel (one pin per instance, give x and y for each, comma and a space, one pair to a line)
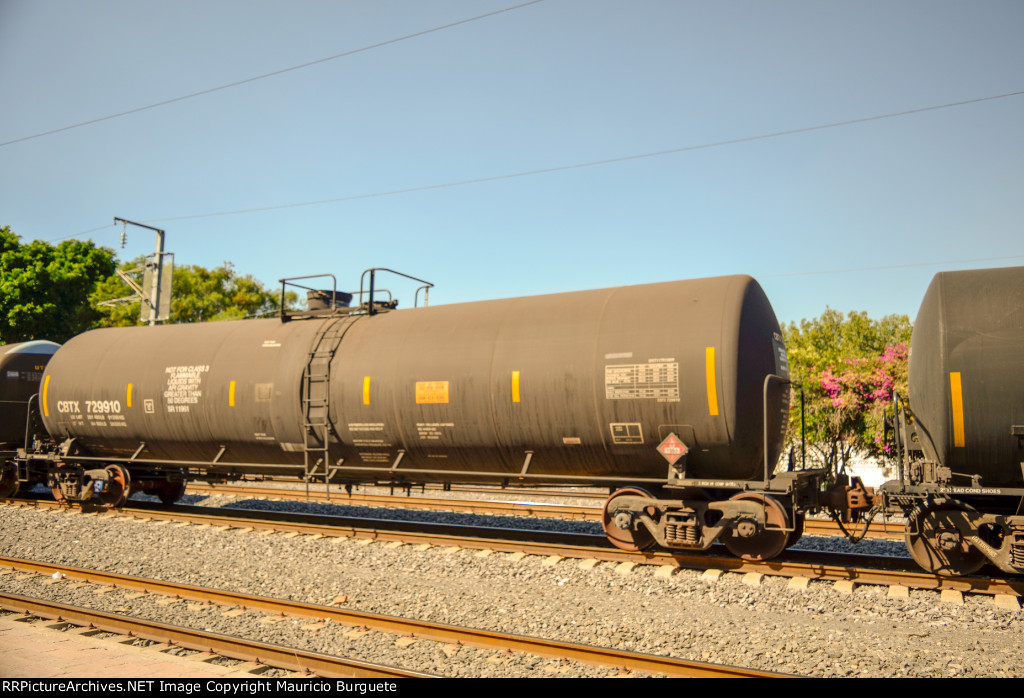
118, 487
763, 542
170, 492
8, 480
935, 543
623, 530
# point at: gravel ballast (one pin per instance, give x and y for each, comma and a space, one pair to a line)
818, 631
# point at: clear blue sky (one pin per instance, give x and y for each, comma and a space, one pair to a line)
856, 217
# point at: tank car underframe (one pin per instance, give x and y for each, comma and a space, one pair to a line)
755, 520
951, 529
9, 480
22, 470
23, 465
86, 479
111, 485
950, 536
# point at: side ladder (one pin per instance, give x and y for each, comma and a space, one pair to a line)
316, 398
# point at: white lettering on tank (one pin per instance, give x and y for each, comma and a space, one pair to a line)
183, 387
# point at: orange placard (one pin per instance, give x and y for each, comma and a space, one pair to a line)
431, 392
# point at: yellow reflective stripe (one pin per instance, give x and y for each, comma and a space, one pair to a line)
709, 362
366, 390
46, 389
515, 386
129, 400
231, 394
956, 395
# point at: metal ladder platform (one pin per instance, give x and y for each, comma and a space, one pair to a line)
316, 396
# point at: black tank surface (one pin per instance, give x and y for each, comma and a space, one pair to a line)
21, 369
183, 390
589, 382
967, 373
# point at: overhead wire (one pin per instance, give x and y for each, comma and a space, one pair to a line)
884, 267
270, 74
595, 163
561, 168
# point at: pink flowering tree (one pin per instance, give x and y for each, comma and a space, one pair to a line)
858, 391
848, 369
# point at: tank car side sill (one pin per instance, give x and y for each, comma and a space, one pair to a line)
349, 472
895, 487
784, 482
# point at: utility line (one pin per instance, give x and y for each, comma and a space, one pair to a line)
942, 264
891, 266
593, 163
909, 265
271, 74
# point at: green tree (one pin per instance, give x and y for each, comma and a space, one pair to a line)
848, 368
44, 289
198, 294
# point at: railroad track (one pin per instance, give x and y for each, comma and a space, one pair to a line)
836, 567
598, 494
286, 658
513, 503
322, 665
506, 507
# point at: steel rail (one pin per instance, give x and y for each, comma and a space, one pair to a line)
233, 647
599, 656
812, 527
467, 506
883, 531
311, 524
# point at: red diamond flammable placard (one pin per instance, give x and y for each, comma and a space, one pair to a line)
672, 448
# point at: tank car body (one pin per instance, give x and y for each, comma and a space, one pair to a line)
588, 382
967, 374
961, 479
674, 396
184, 391
21, 367
654, 386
